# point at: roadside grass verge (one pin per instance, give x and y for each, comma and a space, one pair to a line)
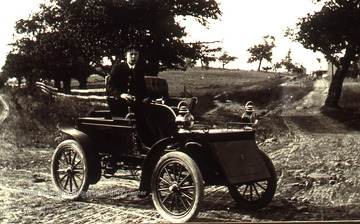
349, 111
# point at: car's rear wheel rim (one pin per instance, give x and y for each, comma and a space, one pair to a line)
69, 170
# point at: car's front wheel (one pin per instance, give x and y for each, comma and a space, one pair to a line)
177, 187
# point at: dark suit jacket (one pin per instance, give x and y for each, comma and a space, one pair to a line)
125, 80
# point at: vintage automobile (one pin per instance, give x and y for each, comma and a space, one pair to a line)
176, 166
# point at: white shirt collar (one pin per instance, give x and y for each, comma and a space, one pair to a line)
131, 66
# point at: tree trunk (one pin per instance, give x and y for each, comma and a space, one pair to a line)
31, 83
335, 89
82, 82
67, 85
337, 80
19, 79
58, 84
259, 65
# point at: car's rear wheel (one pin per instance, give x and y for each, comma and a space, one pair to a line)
256, 194
69, 169
177, 187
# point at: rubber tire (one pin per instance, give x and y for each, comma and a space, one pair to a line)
191, 168
267, 195
67, 192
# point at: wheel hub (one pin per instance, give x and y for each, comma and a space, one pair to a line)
174, 188
69, 170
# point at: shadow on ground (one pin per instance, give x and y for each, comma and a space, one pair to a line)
350, 117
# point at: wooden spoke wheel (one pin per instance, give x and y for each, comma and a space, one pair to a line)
177, 187
255, 194
69, 169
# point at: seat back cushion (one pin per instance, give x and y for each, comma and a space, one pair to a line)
156, 87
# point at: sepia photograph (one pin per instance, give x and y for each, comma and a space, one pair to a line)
174, 111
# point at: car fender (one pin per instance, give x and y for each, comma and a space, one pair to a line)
150, 162
89, 149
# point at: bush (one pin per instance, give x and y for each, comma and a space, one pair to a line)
33, 118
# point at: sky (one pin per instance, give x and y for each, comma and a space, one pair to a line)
10, 12
242, 25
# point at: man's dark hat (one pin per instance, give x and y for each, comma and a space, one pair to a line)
132, 47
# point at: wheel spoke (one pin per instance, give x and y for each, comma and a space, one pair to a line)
60, 161
177, 203
262, 187
183, 180
62, 178
167, 182
75, 165
163, 189
79, 177
256, 191
187, 187
61, 170
166, 170
245, 191
184, 203
71, 183
174, 165
179, 174
172, 202
251, 192
78, 170
76, 185
69, 157
67, 181
65, 158
167, 197
73, 160
187, 196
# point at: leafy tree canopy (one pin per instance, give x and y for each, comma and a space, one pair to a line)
71, 36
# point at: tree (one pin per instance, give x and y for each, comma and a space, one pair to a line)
18, 66
335, 32
263, 51
207, 55
226, 59
73, 31
287, 62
